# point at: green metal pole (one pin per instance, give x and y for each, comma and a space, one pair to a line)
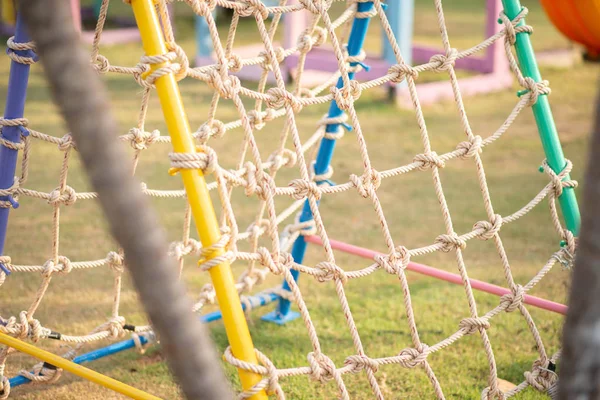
544, 119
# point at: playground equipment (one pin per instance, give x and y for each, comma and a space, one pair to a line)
492, 69
578, 21
163, 64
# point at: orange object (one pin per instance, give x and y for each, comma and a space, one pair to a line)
578, 20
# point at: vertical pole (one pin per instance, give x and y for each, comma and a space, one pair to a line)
76, 12
400, 15
198, 196
204, 44
15, 106
544, 119
355, 44
495, 57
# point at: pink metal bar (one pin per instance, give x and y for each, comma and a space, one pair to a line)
444, 275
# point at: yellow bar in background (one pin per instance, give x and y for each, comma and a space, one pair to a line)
9, 14
75, 369
198, 196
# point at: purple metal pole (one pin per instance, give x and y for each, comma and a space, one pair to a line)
15, 105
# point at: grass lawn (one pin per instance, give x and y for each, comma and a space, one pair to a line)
79, 301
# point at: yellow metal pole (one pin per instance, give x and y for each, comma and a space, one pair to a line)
75, 369
198, 196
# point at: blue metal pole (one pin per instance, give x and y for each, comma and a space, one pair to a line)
91, 356
355, 44
204, 44
400, 15
258, 300
15, 106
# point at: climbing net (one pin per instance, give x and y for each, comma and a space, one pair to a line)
257, 176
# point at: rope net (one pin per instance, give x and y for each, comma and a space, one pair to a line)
264, 245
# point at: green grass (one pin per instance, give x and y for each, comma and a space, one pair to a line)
81, 300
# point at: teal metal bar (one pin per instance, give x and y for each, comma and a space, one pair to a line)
544, 119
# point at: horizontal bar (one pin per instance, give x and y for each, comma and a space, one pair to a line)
258, 300
444, 275
75, 369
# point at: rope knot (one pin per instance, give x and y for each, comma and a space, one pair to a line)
322, 367
258, 119
305, 42
490, 228
443, 62
395, 262
366, 184
540, 376
140, 140
305, 189
277, 267
400, 72
279, 98
347, 95
267, 63
472, 325
67, 196
209, 129
331, 272
557, 179
285, 158
320, 36
115, 326
253, 7
314, 6
66, 142
535, 89
205, 160
470, 148
510, 28
359, 363
412, 357
429, 160
115, 262
510, 302
101, 64
227, 86
451, 242
234, 63
63, 265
